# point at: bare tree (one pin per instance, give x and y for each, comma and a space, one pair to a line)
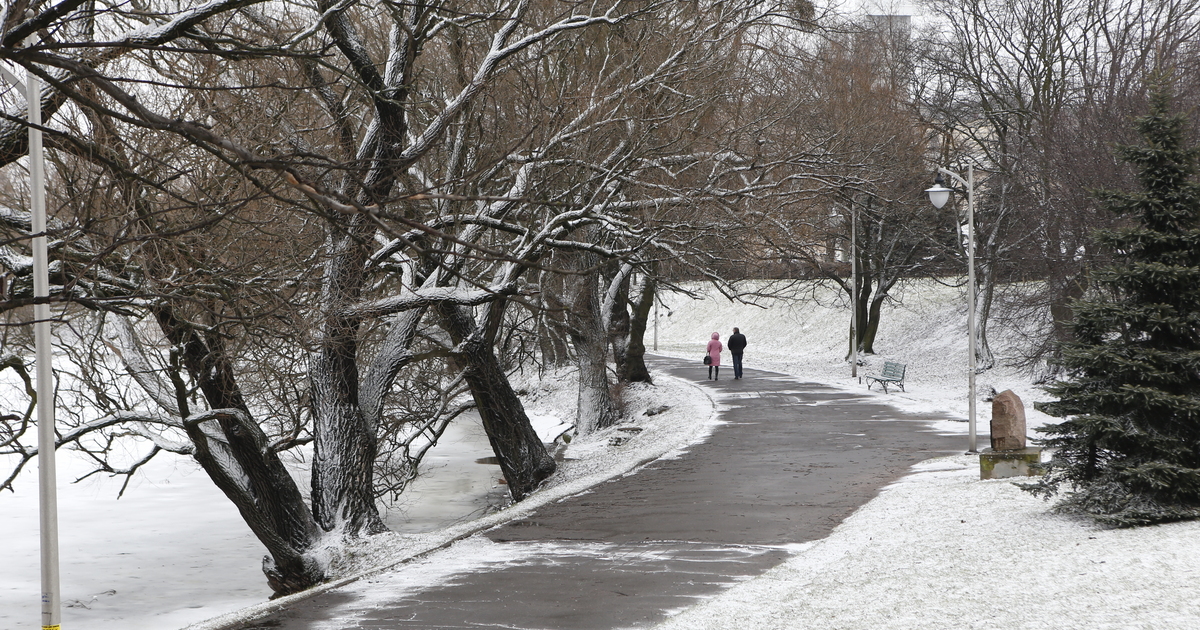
359, 188
345, 186
1032, 94
862, 81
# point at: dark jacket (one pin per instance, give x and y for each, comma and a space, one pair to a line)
736, 343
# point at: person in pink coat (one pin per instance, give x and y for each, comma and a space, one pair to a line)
714, 352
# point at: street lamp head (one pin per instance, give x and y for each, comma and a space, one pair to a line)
939, 194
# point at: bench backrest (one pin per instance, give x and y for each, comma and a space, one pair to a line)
893, 370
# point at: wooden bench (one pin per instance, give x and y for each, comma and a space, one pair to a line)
892, 373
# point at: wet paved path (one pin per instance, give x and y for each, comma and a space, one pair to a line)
792, 460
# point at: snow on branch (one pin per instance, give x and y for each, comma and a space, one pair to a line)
213, 450
394, 353
426, 297
38, 21
122, 340
26, 453
176, 27
501, 49
613, 293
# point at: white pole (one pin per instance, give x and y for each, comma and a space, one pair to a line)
938, 195
971, 293
47, 475
853, 292
655, 319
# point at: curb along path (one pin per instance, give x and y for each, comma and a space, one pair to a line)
789, 463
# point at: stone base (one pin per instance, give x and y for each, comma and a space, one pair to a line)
1026, 462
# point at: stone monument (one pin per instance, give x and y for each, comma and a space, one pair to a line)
1008, 422
1009, 455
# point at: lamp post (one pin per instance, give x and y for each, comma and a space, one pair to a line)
938, 196
44, 371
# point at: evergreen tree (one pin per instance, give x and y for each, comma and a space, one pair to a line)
1129, 452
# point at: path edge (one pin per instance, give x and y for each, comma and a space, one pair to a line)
239, 618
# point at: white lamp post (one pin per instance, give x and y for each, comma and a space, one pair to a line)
44, 371
938, 196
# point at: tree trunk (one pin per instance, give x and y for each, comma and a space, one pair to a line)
522, 455
634, 369
595, 406
249, 473
618, 318
552, 342
252, 477
1062, 313
866, 327
985, 292
551, 325
874, 314
344, 447
344, 442
393, 354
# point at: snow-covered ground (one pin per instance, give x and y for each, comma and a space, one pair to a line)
171, 551
939, 549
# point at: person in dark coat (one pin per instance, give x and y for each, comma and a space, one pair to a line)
737, 343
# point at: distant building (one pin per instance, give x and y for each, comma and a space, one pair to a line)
892, 25
886, 39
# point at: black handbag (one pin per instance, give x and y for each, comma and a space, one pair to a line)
707, 359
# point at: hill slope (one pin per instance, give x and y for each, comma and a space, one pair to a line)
807, 336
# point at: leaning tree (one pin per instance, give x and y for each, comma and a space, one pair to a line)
326, 123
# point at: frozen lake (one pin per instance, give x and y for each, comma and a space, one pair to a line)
453, 485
